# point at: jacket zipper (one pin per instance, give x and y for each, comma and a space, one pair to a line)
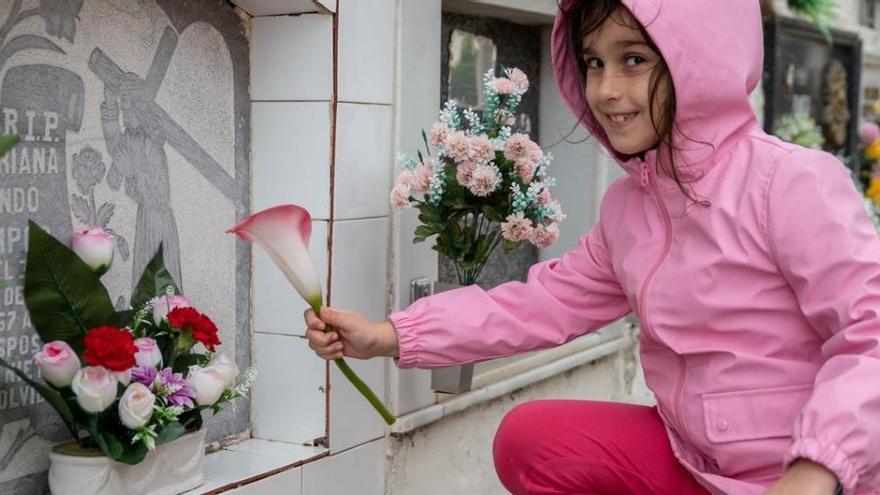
679, 386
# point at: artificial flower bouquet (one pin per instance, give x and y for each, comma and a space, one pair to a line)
122, 381
481, 175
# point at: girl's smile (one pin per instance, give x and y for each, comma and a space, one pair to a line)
620, 63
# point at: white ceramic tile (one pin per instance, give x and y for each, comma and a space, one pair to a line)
360, 261
363, 160
291, 451
284, 483
278, 308
353, 420
359, 470
228, 466
366, 50
317, 477
363, 468
359, 282
291, 155
292, 57
288, 399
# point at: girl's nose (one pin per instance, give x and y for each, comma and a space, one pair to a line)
609, 87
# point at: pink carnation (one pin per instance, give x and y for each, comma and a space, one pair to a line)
439, 132
534, 152
545, 236
517, 146
544, 196
458, 146
525, 168
504, 86
464, 172
405, 178
481, 148
516, 227
399, 197
869, 132
422, 177
484, 180
519, 79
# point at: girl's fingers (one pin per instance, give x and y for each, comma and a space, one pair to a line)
317, 338
313, 321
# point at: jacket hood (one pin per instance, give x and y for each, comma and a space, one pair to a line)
714, 51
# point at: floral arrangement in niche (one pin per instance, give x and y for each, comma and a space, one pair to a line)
483, 185
799, 129
122, 381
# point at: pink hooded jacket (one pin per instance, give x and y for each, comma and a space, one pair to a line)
760, 332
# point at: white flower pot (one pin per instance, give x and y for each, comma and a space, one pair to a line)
172, 468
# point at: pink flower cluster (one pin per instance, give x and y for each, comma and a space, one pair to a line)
410, 182
525, 154
515, 82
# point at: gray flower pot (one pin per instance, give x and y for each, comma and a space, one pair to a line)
452, 379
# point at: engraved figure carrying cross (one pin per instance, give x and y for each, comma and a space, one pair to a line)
137, 151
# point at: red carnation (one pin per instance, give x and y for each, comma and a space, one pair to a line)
200, 326
110, 347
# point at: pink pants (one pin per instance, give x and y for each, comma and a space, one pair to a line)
587, 447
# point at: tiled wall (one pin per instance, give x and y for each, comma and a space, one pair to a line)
330, 153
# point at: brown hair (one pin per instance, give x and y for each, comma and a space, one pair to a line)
584, 17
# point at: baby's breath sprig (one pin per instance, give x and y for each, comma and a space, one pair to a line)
435, 192
449, 115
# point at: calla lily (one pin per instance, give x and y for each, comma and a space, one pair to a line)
283, 232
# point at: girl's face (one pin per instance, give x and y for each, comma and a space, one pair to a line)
620, 62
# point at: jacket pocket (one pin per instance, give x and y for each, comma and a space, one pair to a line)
753, 414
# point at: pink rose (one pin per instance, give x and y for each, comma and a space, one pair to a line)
95, 247
95, 388
226, 368
148, 353
163, 305
58, 363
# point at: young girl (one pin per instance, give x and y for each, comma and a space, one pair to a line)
750, 262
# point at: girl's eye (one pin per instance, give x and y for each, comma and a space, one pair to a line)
594, 63
634, 60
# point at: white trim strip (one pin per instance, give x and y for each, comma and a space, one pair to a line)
430, 414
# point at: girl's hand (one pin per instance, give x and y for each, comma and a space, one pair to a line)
352, 335
805, 477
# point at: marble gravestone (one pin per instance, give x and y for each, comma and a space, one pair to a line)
134, 116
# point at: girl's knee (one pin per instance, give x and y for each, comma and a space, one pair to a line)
514, 442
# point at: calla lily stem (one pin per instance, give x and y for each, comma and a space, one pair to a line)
355, 380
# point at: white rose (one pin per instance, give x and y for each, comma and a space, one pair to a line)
95, 388
136, 406
148, 353
208, 384
226, 367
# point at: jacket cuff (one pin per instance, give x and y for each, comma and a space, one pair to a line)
407, 340
827, 455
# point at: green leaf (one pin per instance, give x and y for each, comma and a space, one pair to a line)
52, 396
7, 142
170, 432
153, 281
132, 453
184, 361
64, 296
